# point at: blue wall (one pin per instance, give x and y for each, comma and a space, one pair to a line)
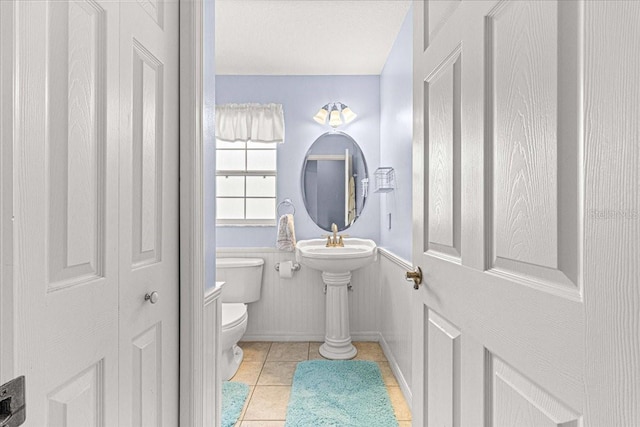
396, 133
302, 97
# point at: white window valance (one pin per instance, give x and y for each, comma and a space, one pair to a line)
250, 122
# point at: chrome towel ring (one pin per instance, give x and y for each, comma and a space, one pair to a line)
283, 205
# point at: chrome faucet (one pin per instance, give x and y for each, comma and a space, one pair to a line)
335, 241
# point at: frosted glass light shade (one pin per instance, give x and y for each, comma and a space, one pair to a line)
348, 114
321, 115
334, 118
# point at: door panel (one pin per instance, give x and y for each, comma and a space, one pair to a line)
436, 15
543, 308
147, 377
76, 138
443, 371
523, 54
517, 401
149, 214
532, 197
78, 402
65, 210
443, 93
95, 193
148, 110
155, 9
497, 138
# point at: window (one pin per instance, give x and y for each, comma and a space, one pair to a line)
246, 183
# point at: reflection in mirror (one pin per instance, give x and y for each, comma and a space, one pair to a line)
334, 180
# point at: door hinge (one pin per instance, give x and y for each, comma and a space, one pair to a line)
13, 410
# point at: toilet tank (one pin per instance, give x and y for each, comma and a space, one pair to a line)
242, 277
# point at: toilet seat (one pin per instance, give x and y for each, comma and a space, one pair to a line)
233, 314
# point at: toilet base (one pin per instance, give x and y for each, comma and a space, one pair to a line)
230, 362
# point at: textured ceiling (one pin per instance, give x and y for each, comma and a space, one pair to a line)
306, 37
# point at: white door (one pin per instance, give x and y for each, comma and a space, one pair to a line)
90, 236
149, 244
527, 214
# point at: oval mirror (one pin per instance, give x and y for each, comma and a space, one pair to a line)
332, 181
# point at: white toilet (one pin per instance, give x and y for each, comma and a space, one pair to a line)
243, 280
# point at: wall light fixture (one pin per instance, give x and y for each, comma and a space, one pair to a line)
336, 111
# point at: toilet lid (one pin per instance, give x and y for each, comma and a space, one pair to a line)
233, 314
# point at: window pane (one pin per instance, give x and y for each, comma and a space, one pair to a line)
230, 208
230, 186
261, 160
261, 208
230, 160
261, 186
226, 144
263, 145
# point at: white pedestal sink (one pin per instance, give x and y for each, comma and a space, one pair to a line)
336, 264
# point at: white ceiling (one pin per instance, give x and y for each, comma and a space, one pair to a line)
306, 37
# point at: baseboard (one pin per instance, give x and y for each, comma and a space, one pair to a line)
281, 338
358, 336
402, 381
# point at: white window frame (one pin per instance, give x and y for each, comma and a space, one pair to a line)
246, 173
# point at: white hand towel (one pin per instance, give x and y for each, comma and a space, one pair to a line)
292, 229
286, 240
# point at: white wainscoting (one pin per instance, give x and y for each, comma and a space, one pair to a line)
212, 381
294, 309
394, 320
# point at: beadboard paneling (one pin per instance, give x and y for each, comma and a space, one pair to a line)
294, 309
394, 320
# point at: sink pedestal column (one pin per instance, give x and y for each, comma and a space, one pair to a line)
337, 340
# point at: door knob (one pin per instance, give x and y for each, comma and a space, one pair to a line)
416, 276
152, 297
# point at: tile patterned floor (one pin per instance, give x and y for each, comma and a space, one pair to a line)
268, 369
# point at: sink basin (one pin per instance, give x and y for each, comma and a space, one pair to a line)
355, 254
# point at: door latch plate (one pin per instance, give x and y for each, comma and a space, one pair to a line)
12, 403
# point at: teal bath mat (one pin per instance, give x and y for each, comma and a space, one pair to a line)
233, 397
340, 393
